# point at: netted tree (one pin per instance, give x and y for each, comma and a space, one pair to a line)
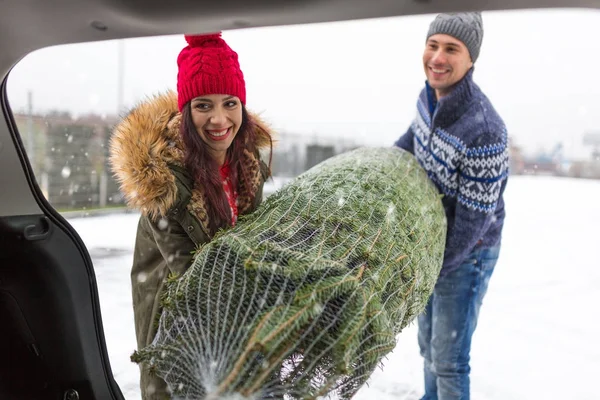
303, 298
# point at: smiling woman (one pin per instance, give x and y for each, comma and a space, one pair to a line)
190, 163
217, 119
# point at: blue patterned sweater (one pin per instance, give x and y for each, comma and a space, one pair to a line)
461, 142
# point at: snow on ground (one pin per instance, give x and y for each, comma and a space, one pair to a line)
538, 328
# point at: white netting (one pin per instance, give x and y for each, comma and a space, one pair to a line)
304, 297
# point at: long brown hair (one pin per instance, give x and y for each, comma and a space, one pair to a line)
205, 169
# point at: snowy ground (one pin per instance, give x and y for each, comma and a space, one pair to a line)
539, 327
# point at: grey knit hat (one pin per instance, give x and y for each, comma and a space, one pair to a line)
466, 27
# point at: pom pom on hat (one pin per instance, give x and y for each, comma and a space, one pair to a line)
204, 40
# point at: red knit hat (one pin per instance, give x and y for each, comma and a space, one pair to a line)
208, 66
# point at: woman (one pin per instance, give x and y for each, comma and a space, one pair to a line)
190, 163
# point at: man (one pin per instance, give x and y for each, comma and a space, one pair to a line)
460, 140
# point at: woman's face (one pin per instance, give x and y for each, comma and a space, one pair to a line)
217, 118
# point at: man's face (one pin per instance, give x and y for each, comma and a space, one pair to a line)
446, 61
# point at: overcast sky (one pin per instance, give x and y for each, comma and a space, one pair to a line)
356, 79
